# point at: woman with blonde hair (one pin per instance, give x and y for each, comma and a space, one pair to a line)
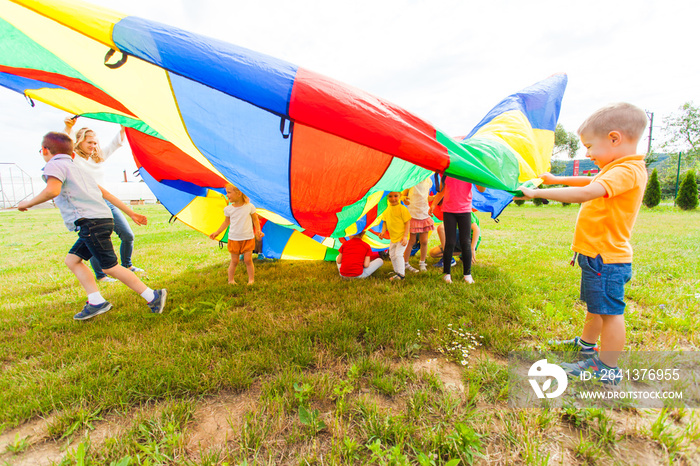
90, 157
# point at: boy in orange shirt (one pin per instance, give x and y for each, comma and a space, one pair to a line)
610, 203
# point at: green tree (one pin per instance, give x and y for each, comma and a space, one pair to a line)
682, 130
565, 142
688, 193
652, 194
558, 167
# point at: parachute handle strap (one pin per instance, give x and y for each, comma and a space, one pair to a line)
283, 124
221, 245
172, 219
29, 99
115, 65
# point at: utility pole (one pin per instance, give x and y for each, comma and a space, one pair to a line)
678, 178
650, 115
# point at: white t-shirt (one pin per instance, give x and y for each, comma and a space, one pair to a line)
94, 169
241, 227
418, 196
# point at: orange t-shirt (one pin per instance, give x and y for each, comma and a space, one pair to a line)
604, 225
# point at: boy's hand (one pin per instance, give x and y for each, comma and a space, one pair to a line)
527, 193
212, 236
259, 235
23, 206
548, 178
404, 241
406, 201
139, 219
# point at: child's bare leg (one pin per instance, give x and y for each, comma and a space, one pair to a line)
82, 273
127, 277
424, 237
232, 269
248, 259
409, 247
592, 328
612, 339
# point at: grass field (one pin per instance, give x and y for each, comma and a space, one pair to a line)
306, 368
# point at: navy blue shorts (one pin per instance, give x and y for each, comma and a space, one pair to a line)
95, 239
603, 285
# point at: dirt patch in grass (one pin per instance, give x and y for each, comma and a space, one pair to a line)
449, 373
511, 436
218, 420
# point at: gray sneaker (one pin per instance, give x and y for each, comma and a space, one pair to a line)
158, 303
90, 311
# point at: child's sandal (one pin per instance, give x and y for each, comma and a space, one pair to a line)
397, 277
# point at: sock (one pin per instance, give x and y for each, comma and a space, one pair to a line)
585, 344
148, 295
96, 298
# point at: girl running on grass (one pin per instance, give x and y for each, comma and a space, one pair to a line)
244, 227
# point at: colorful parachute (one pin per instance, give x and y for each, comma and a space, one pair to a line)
314, 155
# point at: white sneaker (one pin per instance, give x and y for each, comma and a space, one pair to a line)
468, 279
410, 268
107, 279
447, 278
135, 269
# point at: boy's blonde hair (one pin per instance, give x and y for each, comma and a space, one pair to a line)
628, 119
230, 186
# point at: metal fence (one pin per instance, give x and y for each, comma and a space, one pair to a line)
15, 185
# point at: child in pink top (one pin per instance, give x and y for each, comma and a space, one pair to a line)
456, 197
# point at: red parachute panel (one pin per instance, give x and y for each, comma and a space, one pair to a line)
319, 184
72, 84
350, 113
164, 161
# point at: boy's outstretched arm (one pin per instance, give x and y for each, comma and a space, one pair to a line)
52, 189
548, 178
574, 195
137, 218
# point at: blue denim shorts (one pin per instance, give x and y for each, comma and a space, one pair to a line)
95, 239
603, 285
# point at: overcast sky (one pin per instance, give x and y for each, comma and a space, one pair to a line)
449, 62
